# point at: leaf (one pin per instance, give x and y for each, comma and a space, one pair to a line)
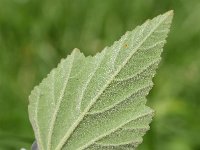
99, 102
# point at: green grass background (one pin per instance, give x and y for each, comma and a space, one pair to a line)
36, 34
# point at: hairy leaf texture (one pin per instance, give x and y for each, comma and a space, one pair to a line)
98, 103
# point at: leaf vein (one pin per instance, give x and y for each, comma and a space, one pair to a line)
74, 126
110, 131
51, 126
140, 72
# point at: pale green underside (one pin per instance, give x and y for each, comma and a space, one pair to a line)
98, 103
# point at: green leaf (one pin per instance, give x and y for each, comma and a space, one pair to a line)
98, 102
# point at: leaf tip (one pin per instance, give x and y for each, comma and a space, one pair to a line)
169, 14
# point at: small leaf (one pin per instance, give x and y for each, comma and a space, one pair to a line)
98, 102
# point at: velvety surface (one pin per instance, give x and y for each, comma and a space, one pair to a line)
35, 34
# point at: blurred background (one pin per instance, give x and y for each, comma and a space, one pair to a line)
36, 34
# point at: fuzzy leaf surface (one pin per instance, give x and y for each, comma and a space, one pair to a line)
98, 103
